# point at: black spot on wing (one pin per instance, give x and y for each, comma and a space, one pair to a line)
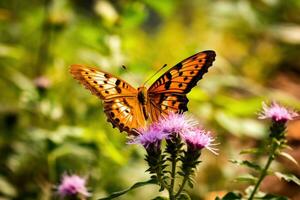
118, 90
169, 75
167, 85
112, 114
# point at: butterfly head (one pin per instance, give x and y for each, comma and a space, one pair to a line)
142, 95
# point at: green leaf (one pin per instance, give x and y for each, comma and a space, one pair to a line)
247, 178
288, 177
230, 196
289, 157
250, 151
136, 185
247, 164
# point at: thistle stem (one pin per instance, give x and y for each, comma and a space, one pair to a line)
181, 186
174, 146
173, 174
274, 146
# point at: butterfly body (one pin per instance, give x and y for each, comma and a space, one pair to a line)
128, 108
143, 100
142, 95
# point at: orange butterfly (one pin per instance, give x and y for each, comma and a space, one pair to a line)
128, 108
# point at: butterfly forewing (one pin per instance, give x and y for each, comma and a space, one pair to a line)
101, 83
184, 76
168, 93
120, 99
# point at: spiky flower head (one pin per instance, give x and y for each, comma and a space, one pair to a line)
150, 137
73, 185
276, 112
198, 138
175, 123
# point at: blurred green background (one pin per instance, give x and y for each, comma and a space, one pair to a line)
50, 125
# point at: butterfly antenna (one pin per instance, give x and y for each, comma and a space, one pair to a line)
155, 73
126, 69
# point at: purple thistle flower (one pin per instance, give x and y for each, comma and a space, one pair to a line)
150, 137
198, 138
72, 185
276, 112
175, 123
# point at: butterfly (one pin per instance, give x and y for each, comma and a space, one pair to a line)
128, 108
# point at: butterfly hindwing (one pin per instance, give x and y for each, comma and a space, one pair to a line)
174, 84
124, 113
162, 104
120, 103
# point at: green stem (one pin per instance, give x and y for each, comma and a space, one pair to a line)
181, 186
265, 169
173, 174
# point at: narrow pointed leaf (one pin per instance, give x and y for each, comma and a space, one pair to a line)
247, 164
136, 185
247, 178
289, 157
288, 177
250, 151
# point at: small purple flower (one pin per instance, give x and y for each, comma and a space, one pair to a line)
42, 82
175, 123
150, 137
73, 185
198, 138
277, 113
